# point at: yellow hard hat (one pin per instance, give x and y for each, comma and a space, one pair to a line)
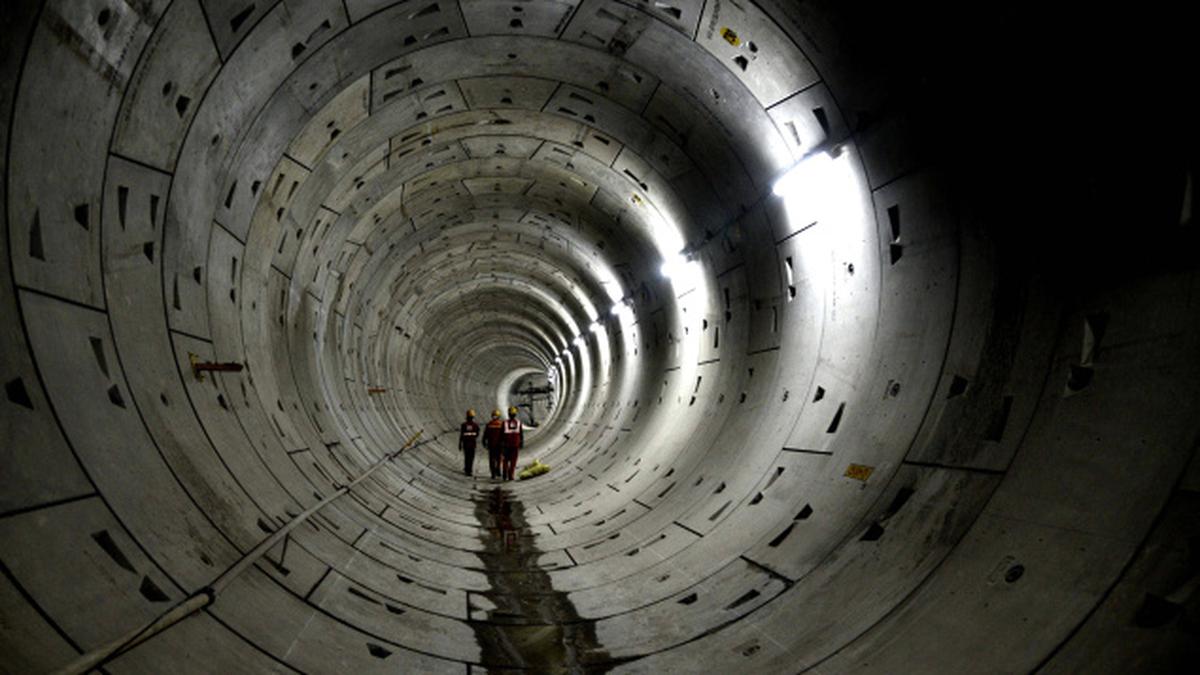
512, 411
471, 412
496, 412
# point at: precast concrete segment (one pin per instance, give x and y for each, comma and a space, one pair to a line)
850, 426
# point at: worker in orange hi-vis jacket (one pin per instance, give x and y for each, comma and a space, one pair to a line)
514, 440
493, 440
467, 434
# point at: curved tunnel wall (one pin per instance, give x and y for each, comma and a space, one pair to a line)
862, 429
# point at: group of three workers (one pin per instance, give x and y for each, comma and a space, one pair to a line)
502, 438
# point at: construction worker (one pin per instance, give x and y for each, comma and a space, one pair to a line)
493, 440
467, 433
514, 440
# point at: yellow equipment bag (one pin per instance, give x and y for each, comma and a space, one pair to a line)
534, 469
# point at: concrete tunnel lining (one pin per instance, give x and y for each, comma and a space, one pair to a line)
856, 432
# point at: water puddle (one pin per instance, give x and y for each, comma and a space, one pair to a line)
532, 626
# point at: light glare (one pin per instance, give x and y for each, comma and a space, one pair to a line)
806, 178
674, 266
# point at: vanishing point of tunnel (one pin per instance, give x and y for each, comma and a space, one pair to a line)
857, 336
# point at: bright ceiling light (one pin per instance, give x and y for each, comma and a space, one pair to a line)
683, 273
579, 342
808, 177
674, 266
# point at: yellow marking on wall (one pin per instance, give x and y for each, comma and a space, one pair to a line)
859, 472
731, 37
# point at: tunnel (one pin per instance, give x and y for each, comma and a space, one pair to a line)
856, 336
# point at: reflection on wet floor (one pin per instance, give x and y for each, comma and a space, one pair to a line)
526, 623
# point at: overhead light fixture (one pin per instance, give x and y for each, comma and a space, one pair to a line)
674, 266
806, 177
579, 340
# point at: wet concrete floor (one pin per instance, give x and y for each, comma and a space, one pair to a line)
532, 626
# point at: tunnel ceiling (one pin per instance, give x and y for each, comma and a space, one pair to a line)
815, 405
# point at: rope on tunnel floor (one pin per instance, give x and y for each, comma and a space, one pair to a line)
207, 595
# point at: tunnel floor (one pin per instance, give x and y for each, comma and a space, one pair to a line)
528, 624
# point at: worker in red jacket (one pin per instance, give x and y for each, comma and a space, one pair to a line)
493, 440
467, 434
514, 440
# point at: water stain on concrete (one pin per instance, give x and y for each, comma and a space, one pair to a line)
529, 625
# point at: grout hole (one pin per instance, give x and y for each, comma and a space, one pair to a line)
837, 419
774, 543
109, 546
426, 11
36, 247
114, 395
1014, 573
743, 599
151, 591
958, 387
873, 533
822, 119
98, 352
122, 204
17, 393
238, 19
995, 430
377, 651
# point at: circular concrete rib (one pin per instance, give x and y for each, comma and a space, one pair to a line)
837, 384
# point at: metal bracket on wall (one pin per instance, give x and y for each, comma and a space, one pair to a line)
200, 367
